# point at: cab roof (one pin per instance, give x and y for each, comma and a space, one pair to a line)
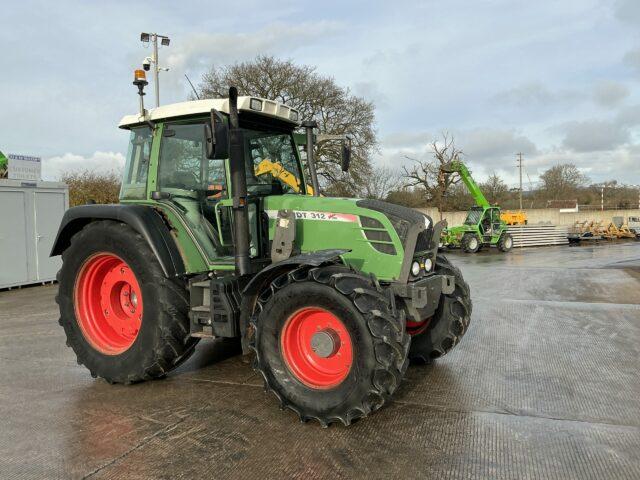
261, 106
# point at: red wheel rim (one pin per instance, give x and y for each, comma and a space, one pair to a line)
416, 328
108, 303
316, 347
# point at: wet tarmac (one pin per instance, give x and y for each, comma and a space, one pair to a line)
545, 384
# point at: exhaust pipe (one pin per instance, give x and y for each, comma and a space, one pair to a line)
239, 187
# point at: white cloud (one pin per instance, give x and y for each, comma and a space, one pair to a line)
632, 59
197, 52
54, 167
593, 135
490, 144
628, 11
536, 94
609, 93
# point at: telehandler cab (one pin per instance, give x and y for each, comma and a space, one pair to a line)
332, 296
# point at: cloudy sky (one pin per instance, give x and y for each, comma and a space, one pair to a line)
556, 80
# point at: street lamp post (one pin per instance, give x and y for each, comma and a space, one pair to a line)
164, 40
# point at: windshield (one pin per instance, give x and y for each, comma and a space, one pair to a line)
272, 163
473, 217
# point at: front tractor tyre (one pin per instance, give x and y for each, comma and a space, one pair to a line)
125, 320
444, 330
329, 345
505, 244
470, 243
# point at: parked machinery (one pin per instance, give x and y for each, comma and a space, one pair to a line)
332, 295
483, 225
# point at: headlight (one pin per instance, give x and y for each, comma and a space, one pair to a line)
428, 264
415, 269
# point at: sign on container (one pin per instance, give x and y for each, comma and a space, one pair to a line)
24, 167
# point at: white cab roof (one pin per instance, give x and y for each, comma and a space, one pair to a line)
257, 105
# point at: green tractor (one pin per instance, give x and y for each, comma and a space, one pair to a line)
483, 225
331, 296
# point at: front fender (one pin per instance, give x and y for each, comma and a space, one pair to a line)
264, 277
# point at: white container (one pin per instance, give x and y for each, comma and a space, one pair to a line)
30, 214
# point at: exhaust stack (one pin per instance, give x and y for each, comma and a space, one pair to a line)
239, 187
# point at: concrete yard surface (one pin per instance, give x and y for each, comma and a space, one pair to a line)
545, 384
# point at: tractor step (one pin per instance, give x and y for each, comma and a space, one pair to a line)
215, 307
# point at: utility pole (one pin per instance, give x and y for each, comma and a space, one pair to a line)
519, 155
154, 60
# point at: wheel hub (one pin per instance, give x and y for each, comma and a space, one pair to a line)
316, 347
108, 303
325, 343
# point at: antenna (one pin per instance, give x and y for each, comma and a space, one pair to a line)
192, 87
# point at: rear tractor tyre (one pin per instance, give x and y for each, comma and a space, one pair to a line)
123, 318
450, 322
470, 243
505, 244
328, 344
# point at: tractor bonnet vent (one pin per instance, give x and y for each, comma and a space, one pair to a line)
368, 222
380, 234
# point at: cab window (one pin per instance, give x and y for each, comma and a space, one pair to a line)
272, 163
183, 163
134, 184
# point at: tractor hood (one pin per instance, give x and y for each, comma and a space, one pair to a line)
383, 238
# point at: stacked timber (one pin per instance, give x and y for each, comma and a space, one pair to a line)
538, 235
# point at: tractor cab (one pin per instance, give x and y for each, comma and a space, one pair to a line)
168, 163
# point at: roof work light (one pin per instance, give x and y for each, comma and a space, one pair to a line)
139, 78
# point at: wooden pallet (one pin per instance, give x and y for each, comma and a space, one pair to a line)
538, 235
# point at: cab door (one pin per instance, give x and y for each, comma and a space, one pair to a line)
192, 186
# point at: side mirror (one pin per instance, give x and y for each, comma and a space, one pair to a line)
346, 157
216, 134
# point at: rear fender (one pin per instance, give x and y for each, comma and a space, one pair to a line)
143, 219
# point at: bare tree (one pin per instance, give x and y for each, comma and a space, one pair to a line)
380, 182
494, 189
315, 96
562, 181
432, 175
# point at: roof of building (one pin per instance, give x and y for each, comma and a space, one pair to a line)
258, 105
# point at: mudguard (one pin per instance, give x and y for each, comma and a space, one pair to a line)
252, 289
143, 219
